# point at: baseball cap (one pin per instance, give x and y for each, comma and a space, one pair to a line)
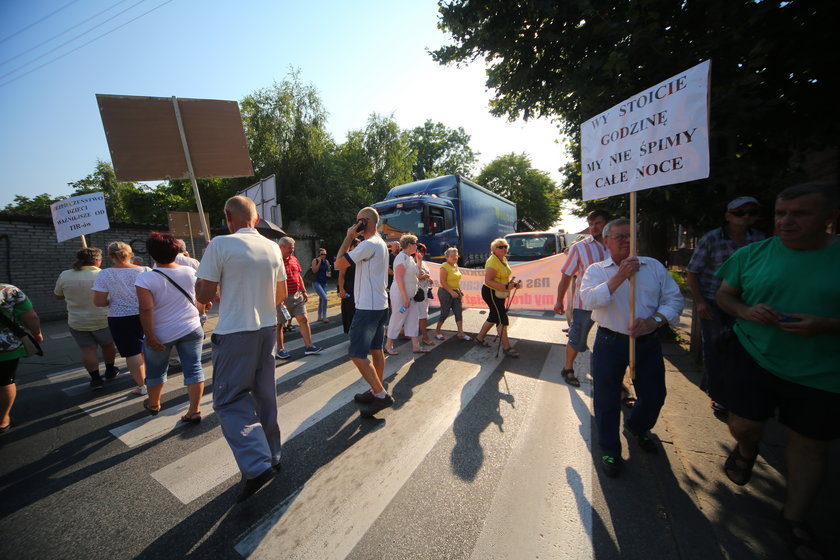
740, 201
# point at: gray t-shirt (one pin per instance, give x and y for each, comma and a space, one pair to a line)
371, 280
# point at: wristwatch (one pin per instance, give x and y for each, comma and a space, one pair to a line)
659, 321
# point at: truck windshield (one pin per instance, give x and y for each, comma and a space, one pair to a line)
400, 221
531, 247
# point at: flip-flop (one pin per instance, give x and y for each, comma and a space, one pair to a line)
193, 418
439, 336
482, 342
427, 342
152, 411
569, 377
390, 351
421, 351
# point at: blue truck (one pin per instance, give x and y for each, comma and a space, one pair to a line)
448, 211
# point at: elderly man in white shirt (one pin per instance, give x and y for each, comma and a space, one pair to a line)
606, 291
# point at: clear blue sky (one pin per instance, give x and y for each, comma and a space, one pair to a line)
363, 56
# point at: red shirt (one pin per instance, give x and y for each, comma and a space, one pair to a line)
293, 279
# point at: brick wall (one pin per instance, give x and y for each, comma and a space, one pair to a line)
32, 259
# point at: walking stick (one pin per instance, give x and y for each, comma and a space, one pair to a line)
503, 328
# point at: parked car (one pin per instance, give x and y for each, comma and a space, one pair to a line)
533, 245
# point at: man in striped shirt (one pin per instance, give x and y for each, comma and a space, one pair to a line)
581, 254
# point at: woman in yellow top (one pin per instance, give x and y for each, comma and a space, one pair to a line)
497, 277
449, 294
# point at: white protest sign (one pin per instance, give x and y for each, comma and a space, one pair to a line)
79, 215
657, 137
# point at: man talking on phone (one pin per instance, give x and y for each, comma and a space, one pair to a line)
367, 331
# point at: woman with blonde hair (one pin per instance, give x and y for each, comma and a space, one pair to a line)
449, 294
497, 283
114, 288
404, 312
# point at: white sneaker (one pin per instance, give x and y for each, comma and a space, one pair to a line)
140, 391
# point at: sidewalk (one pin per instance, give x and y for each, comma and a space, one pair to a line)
743, 520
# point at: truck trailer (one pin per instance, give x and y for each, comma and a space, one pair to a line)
448, 211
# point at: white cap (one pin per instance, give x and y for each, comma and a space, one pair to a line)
740, 201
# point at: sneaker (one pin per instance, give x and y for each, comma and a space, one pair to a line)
97, 383
364, 398
309, 350
112, 373
282, 355
644, 441
375, 405
611, 465
140, 391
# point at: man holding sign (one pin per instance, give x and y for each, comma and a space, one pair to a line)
605, 289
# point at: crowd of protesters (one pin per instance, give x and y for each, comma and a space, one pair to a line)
770, 331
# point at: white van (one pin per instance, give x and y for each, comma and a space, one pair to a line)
533, 245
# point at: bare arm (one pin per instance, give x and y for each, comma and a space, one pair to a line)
147, 318
205, 290
341, 273
100, 299
562, 288
444, 279
316, 264
700, 304
399, 273
280, 293
32, 323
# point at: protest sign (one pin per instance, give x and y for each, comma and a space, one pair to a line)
79, 215
539, 283
657, 137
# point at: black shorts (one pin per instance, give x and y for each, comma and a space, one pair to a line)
498, 313
127, 333
8, 369
756, 394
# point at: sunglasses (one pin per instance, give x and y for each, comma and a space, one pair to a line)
742, 213
502, 247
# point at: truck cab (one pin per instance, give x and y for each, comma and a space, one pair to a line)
533, 245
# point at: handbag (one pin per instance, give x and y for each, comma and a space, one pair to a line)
420, 295
29, 343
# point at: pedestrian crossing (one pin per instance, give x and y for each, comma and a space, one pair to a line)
332, 511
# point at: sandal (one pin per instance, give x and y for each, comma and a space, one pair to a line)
481, 342
427, 342
391, 351
191, 418
510, 352
421, 350
139, 391
739, 474
569, 377
465, 338
152, 411
799, 537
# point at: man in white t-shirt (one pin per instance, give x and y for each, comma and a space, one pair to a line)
367, 331
248, 268
183, 257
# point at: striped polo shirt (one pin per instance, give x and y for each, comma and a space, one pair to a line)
581, 255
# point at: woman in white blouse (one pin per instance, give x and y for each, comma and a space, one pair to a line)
404, 311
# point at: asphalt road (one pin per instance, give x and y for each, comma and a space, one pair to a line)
482, 457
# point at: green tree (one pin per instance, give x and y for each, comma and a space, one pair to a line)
121, 198
286, 129
535, 194
773, 76
36, 206
441, 151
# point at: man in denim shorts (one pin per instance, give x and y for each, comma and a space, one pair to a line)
367, 331
786, 357
581, 254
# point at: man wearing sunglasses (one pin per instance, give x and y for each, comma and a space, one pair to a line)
711, 252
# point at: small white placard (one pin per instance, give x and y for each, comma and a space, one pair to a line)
79, 215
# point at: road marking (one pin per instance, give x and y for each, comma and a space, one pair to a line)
326, 519
202, 470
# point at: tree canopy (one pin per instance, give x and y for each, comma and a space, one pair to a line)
535, 194
773, 79
441, 151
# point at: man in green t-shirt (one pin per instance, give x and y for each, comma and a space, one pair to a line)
786, 356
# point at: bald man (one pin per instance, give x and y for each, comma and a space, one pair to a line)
248, 269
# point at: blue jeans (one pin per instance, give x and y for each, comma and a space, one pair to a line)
609, 362
189, 352
321, 289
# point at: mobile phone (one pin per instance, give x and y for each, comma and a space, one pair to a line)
788, 319
362, 225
